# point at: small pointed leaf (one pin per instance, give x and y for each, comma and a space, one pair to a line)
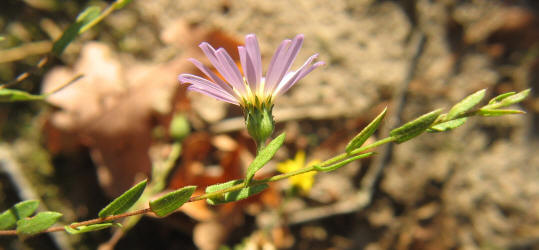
19, 211
415, 127
14, 95
84, 18
365, 133
263, 157
168, 203
241, 194
499, 112
466, 104
516, 98
449, 125
124, 201
89, 228
501, 97
38, 223
337, 165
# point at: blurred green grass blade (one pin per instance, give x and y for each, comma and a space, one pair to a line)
14, 95
121, 3
124, 201
241, 194
38, 223
415, 127
169, 202
264, 156
21, 210
362, 137
83, 19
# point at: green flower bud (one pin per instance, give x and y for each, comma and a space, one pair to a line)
259, 123
179, 127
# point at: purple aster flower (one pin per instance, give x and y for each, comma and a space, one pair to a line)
253, 92
252, 89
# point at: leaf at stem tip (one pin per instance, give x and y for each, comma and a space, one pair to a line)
501, 97
19, 211
466, 104
14, 95
449, 125
237, 195
337, 165
169, 202
124, 201
415, 127
366, 132
499, 112
89, 228
263, 157
516, 98
84, 18
38, 223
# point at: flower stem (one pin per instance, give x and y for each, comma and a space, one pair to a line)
218, 193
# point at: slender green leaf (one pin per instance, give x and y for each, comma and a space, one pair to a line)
263, 157
85, 17
13, 95
38, 223
124, 201
499, 112
415, 127
337, 165
365, 133
89, 228
241, 194
501, 97
466, 104
19, 211
168, 203
516, 98
121, 3
449, 125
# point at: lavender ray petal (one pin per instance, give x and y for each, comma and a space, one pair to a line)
284, 64
213, 77
201, 83
231, 71
215, 95
271, 75
248, 68
211, 53
251, 44
289, 81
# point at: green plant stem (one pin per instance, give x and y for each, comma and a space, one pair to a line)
326, 163
104, 14
218, 193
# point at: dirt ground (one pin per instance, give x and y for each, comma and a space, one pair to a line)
475, 187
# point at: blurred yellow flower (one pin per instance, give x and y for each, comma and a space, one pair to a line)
302, 181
